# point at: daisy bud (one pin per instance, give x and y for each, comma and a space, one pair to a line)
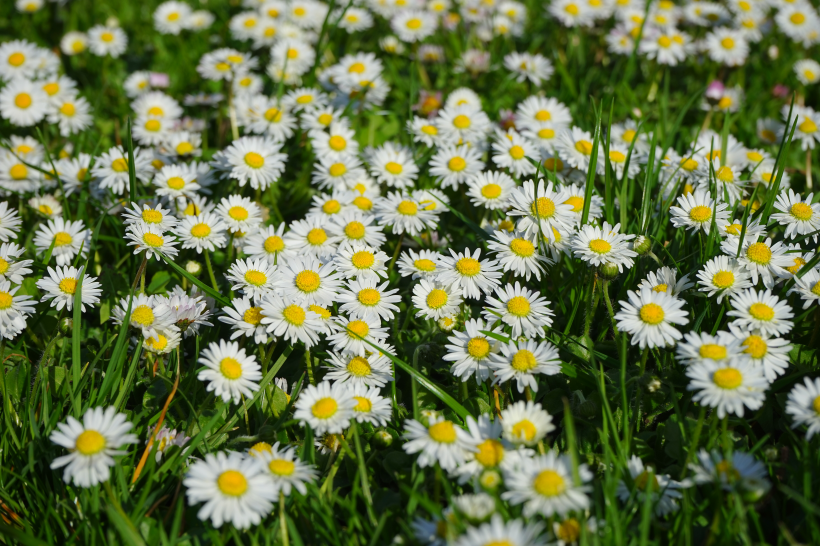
608, 271
642, 245
771, 453
194, 268
774, 52
490, 480
65, 326
652, 383
381, 439
428, 415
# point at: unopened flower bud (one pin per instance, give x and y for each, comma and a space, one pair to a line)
381, 439
652, 383
642, 245
490, 480
65, 326
194, 268
609, 271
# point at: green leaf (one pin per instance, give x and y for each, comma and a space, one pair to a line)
207, 289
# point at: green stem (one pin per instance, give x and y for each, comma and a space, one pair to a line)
644, 357
309, 363
593, 304
395, 254
695, 439
210, 269
283, 524
363, 472
605, 290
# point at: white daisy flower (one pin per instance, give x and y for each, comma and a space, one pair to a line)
726, 46
18, 60
412, 25
393, 165
542, 208
662, 489
513, 533
435, 300
245, 319
471, 351
441, 442
727, 386
307, 281
423, 264
522, 360
202, 232
68, 239
575, 147
309, 237
807, 71
61, 286
230, 373
455, 165
763, 351
254, 278
355, 336
149, 314
804, 406
286, 470
111, 169
340, 173
326, 407
239, 213
149, 215
604, 245
762, 311
151, 240
404, 214
356, 227
465, 271
762, 259
92, 444
525, 311
463, 125
365, 299
424, 131
361, 262
665, 280
71, 113
695, 211
371, 370
529, 67
807, 287
11, 267
800, 217
268, 243
806, 129
649, 316
14, 310
723, 276
701, 347
491, 189
513, 152
371, 407
525, 423
171, 17
283, 318
163, 343
255, 161
546, 486
9, 222
741, 472
104, 40
518, 253
338, 141
235, 488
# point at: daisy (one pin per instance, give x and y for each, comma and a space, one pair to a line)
514, 152
537, 112
326, 407
575, 147
723, 276
441, 442
151, 240
149, 215
340, 173
283, 318
104, 40
235, 489
547, 486
649, 316
806, 122
465, 271
149, 314
371, 370
522, 360
393, 165
762, 260
65, 239
727, 386
604, 245
455, 165
800, 217
230, 373
423, 264
762, 350
338, 141
518, 253
804, 406
162, 344
92, 444
9, 222
529, 67
741, 472
11, 267
807, 287
371, 407
357, 336
361, 262
695, 211
404, 214
435, 300
424, 131
512, 533
245, 319
413, 25
286, 470
463, 125
365, 299
698, 348
268, 243
491, 189
23, 103
18, 60
807, 71
662, 489
726, 46
46, 205
310, 238
307, 280
62, 285
525, 311
542, 208
202, 232
255, 161
254, 278
665, 280
14, 310
73, 43
525, 423
762, 311
71, 113
111, 169
171, 17
471, 351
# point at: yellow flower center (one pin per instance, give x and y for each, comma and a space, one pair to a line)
725, 174
457, 164
549, 483
801, 211
359, 366
151, 216
363, 203
437, 298
61, 238
517, 152
523, 361
543, 207
393, 168
6, 300
119, 165
308, 281
369, 297
571, 9
281, 467
316, 236
616, 156
324, 408
522, 247
652, 313
759, 253
712, 351
755, 347
642, 481
431, 130
584, 147
153, 125
478, 348
254, 160
490, 453
363, 405
798, 263
724, 103
18, 172
660, 288
727, 378
273, 244
723, 279
461, 121
331, 206
599, 246
143, 315
16, 59
256, 278
816, 289
407, 208
413, 24
425, 265
4, 266
68, 110
727, 43
157, 344
546, 133
363, 259
22, 100
253, 315
543, 115
518, 306
443, 432
230, 368
201, 230
325, 119
700, 213
816, 405
78, 46
337, 143
176, 183
761, 311
294, 315
469, 267
90, 442
238, 213
569, 531
358, 329
808, 126
232, 483
664, 41
797, 18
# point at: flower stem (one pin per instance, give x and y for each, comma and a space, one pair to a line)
395, 254
605, 290
210, 269
283, 524
309, 363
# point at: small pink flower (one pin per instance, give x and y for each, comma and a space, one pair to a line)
159, 80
